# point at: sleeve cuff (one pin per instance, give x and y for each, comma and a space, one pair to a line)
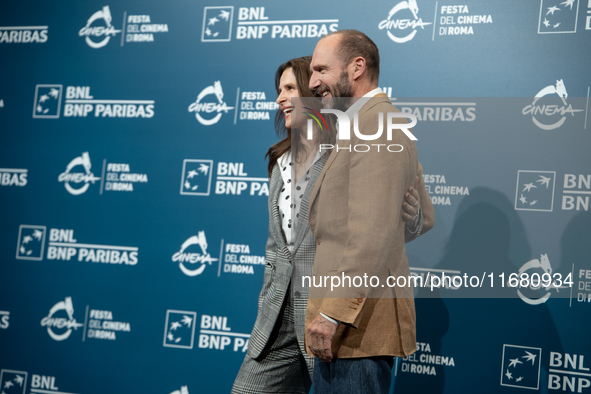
330, 319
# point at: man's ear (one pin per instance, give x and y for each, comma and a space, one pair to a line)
358, 67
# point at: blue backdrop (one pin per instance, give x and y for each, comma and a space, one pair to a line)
133, 186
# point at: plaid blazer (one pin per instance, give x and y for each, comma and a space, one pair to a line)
283, 268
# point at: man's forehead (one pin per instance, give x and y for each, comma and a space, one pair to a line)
325, 52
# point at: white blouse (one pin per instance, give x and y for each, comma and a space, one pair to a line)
291, 196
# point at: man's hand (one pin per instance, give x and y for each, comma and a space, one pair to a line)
411, 204
319, 337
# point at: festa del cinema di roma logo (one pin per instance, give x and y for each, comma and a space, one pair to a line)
184, 256
208, 107
60, 323
94, 32
395, 27
550, 110
183, 390
118, 176
68, 177
549, 280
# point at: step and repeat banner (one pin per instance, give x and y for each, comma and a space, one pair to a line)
133, 187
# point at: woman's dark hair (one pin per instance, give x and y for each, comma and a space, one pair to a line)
301, 70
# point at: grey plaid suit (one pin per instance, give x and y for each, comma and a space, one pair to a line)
276, 361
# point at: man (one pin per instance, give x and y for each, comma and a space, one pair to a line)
354, 216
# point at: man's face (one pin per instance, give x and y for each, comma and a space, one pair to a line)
329, 78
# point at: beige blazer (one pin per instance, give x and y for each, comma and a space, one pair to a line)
355, 216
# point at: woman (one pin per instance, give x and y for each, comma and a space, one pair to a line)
276, 361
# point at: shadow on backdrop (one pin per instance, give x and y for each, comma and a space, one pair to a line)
487, 235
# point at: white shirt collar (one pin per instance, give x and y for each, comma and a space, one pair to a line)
285, 158
353, 109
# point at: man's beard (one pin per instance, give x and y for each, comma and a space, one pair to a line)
341, 93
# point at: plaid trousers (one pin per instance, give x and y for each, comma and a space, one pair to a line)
283, 367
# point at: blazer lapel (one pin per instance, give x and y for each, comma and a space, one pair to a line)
303, 226
276, 183
378, 98
329, 162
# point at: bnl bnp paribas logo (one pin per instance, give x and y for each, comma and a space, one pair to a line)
47, 101
549, 108
567, 371
521, 367
179, 329
254, 24
215, 333
79, 103
535, 191
23, 34
13, 177
231, 179
403, 22
13, 382
31, 242
62, 246
217, 24
559, 16
196, 178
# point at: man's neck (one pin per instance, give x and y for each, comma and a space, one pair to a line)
356, 103
362, 88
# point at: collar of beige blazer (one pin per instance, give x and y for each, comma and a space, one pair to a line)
378, 98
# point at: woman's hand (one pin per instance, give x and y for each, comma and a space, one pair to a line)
411, 204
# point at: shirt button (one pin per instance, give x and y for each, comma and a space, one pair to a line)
297, 294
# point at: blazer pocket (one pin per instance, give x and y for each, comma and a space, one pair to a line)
269, 269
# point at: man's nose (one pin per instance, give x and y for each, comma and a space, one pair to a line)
314, 82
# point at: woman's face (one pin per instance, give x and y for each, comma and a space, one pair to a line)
288, 89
